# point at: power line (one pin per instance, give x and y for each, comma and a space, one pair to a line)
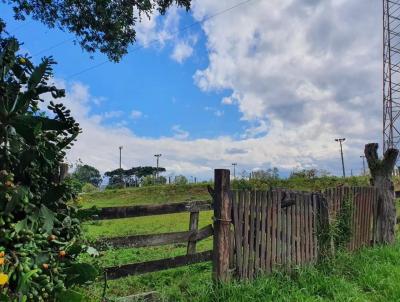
158, 39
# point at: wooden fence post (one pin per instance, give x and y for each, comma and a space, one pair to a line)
193, 226
222, 221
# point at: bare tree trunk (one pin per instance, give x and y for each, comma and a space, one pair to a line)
381, 174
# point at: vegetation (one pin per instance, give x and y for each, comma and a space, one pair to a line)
120, 178
87, 174
368, 275
107, 26
39, 234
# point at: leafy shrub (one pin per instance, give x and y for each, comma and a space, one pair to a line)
39, 231
89, 188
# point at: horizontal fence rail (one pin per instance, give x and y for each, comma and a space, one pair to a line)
191, 237
137, 241
156, 265
146, 210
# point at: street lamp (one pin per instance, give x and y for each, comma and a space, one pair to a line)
120, 157
363, 159
158, 158
234, 170
341, 140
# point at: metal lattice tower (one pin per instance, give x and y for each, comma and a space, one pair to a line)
391, 74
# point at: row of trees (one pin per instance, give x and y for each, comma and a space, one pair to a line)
88, 178
87, 175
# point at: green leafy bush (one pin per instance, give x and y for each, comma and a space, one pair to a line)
39, 231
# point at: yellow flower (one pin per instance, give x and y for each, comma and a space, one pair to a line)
22, 60
2, 254
1, 261
3, 278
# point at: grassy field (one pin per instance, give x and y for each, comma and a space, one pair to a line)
368, 275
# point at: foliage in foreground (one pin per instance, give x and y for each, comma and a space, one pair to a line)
39, 234
107, 26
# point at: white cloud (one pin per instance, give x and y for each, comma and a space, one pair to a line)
179, 133
182, 51
113, 114
301, 73
136, 114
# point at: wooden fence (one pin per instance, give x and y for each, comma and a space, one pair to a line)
190, 237
254, 231
279, 228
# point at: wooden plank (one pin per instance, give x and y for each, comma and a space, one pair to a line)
353, 222
240, 243
293, 232
358, 216
315, 231
298, 229
274, 227
136, 241
288, 236
156, 265
193, 226
310, 229
252, 233
265, 243
222, 223
307, 227
268, 216
363, 215
370, 218
246, 214
302, 230
375, 217
257, 255
237, 219
232, 244
147, 210
283, 235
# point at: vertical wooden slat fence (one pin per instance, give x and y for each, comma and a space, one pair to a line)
278, 229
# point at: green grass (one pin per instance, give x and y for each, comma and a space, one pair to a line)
145, 195
368, 275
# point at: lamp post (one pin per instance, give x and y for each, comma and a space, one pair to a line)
120, 157
234, 170
341, 140
363, 159
158, 158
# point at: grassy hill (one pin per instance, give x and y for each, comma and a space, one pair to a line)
368, 275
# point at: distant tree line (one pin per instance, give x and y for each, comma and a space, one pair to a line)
135, 176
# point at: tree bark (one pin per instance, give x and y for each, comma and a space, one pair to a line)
381, 178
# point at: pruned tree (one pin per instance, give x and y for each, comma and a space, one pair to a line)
99, 25
381, 177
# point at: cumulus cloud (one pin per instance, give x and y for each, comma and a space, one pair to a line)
182, 51
301, 73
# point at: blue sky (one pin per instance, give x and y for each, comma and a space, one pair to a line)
146, 80
268, 83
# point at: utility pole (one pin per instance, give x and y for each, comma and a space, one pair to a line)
158, 157
363, 159
120, 157
234, 170
341, 140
